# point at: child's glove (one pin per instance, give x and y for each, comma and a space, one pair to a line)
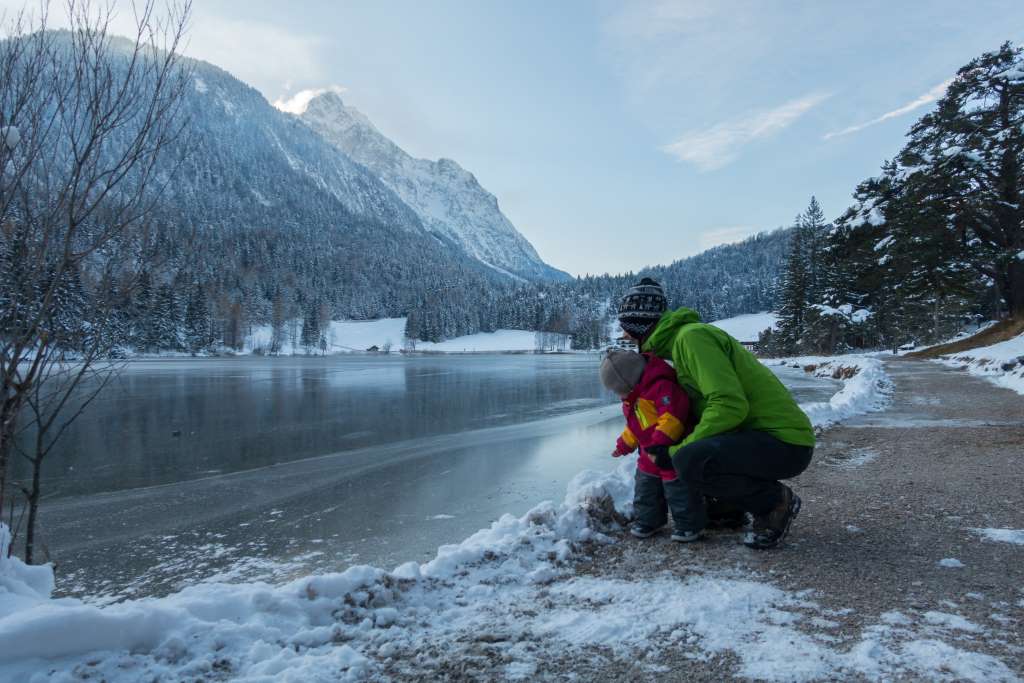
660, 456
621, 449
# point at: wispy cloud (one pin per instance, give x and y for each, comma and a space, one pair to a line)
719, 145
654, 19
297, 103
264, 54
729, 235
925, 99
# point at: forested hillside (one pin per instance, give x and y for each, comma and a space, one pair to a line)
253, 218
932, 244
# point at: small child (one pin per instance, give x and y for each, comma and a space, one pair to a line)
657, 416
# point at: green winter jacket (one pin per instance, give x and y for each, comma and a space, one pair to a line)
728, 387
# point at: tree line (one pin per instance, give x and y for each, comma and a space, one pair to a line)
933, 244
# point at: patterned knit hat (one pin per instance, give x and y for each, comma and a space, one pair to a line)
641, 308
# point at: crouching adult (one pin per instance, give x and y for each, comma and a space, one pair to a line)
750, 432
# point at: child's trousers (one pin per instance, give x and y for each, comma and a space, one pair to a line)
654, 497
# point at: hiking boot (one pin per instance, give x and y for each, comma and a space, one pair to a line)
639, 530
686, 535
734, 519
770, 529
724, 515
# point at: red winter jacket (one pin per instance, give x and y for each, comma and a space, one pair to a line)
657, 414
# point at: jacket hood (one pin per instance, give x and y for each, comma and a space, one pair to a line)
661, 339
655, 370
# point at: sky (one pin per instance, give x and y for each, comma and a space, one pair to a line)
617, 135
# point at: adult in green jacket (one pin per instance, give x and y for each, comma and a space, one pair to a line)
750, 432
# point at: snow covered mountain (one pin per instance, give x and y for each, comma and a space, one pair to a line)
246, 152
447, 198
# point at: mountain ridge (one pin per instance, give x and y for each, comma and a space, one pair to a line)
448, 199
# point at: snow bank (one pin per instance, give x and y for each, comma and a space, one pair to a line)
970, 331
506, 600
747, 327
1001, 364
21, 585
866, 386
297, 631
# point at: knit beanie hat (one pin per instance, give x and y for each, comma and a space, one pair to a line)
641, 308
621, 370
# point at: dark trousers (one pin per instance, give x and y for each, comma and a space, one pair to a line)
653, 498
743, 468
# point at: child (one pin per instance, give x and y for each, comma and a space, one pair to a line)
657, 416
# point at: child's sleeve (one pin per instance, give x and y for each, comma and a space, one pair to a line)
673, 411
626, 443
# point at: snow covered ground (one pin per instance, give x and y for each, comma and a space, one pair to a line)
508, 594
746, 328
346, 336
1001, 364
509, 589
866, 387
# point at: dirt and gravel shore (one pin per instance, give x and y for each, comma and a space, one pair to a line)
905, 564
891, 504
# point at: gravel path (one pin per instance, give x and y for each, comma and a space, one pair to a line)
888, 497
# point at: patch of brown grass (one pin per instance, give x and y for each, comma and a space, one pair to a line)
1001, 331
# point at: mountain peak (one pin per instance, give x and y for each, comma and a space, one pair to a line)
447, 198
324, 98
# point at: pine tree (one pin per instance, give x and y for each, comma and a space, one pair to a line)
793, 296
813, 225
166, 322
277, 322
144, 337
197, 333
311, 327
967, 157
234, 330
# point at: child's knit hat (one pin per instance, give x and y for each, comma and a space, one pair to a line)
641, 307
621, 370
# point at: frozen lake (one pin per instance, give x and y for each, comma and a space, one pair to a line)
264, 468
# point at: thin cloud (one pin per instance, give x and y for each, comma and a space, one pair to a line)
925, 99
719, 145
297, 103
729, 235
656, 19
263, 54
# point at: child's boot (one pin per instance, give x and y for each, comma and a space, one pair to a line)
649, 506
640, 530
686, 535
688, 515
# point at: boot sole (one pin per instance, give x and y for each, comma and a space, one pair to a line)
794, 509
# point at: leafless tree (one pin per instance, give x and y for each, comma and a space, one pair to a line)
65, 387
87, 120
